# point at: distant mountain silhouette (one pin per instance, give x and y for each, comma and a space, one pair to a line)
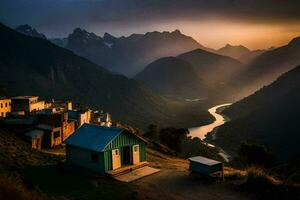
129, 55
28, 30
239, 52
34, 66
267, 67
211, 67
270, 116
233, 51
173, 77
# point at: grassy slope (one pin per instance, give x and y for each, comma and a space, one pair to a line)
36, 175
27, 172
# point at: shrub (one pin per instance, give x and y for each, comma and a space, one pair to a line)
255, 155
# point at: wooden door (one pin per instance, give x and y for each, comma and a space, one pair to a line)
116, 159
136, 154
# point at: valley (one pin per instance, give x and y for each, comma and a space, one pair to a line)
149, 100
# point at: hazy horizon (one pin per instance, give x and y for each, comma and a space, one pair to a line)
213, 24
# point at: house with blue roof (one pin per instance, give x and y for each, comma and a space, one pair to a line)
104, 149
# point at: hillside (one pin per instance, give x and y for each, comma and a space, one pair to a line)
33, 66
212, 68
27, 174
128, 55
269, 117
267, 67
173, 77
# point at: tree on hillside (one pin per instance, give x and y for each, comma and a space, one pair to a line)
255, 154
173, 137
152, 132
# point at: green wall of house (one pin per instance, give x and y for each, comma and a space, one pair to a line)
82, 157
123, 140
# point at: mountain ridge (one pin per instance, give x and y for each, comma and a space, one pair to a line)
269, 117
38, 67
173, 77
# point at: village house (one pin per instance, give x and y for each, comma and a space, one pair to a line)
57, 107
34, 137
52, 135
102, 119
57, 128
26, 104
80, 116
5, 106
104, 149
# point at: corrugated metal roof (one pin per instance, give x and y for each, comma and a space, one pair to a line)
93, 137
204, 161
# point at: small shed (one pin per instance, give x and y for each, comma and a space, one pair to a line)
206, 166
104, 149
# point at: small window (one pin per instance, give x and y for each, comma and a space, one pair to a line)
94, 156
56, 134
136, 148
116, 152
6, 104
1, 105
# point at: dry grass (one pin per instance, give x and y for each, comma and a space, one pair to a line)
256, 181
17, 153
257, 175
12, 187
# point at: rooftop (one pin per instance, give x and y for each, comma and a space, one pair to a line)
24, 97
204, 161
93, 137
4, 98
34, 133
45, 127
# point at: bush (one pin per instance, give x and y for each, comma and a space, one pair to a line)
255, 155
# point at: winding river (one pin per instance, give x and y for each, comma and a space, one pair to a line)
201, 131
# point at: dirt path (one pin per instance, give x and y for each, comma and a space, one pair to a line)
174, 182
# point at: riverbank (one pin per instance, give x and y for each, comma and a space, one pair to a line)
202, 131
207, 132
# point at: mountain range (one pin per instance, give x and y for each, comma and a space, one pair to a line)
269, 116
28, 30
267, 67
133, 53
239, 52
35, 66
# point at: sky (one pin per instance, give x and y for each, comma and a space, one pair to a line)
256, 24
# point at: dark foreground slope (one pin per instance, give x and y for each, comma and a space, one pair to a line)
270, 116
33, 66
